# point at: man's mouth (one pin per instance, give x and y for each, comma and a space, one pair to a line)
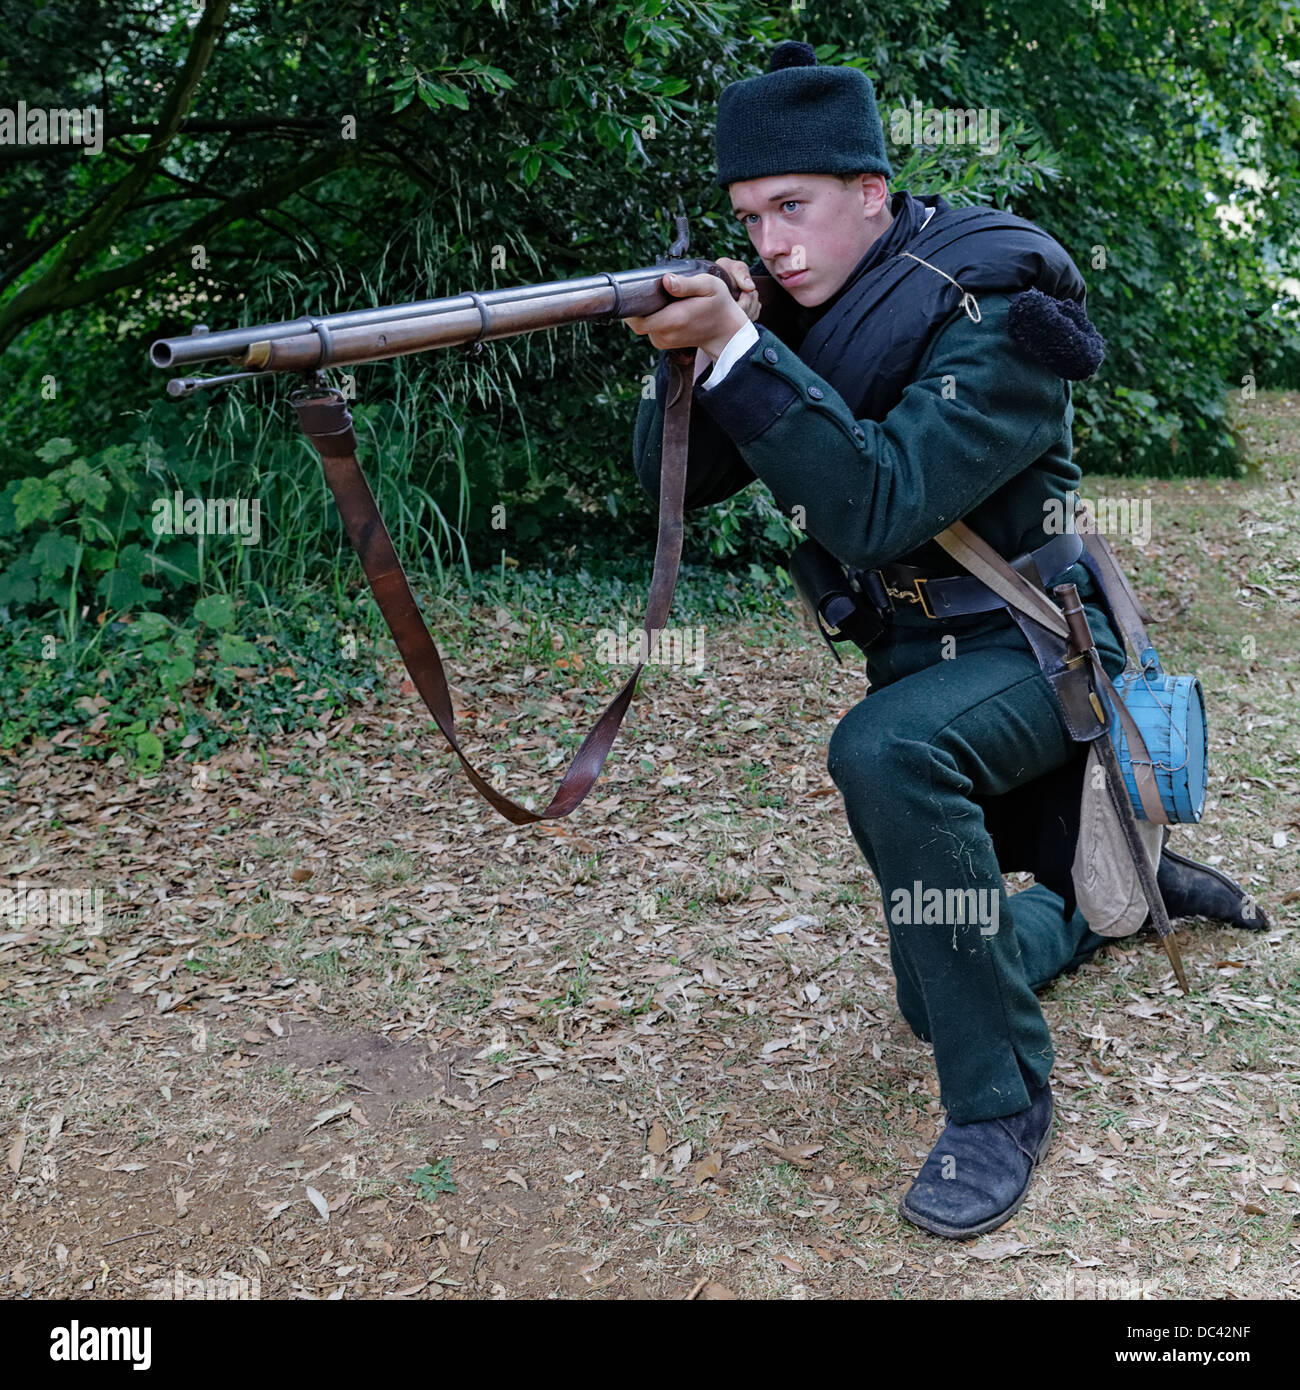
791, 277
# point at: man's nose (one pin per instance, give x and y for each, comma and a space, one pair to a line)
772, 243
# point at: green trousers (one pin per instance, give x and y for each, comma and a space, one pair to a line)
930, 734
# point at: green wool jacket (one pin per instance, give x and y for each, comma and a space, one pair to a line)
982, 434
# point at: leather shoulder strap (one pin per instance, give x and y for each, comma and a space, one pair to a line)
1130, 615
970, 549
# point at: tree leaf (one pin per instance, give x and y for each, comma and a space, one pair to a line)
83, 484
149, 752
54, 553
55, 449
237, 651
37, 499
216, 610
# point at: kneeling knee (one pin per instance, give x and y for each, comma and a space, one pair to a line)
861, 754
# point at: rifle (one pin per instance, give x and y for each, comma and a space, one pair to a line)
308, 345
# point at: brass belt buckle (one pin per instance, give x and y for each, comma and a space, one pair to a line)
914, 597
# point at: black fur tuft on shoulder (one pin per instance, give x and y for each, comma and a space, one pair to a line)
1057, 332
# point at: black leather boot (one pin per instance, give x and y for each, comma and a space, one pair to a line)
977, 1174
1196, 890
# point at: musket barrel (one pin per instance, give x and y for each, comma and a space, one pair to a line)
451, 328
374, 335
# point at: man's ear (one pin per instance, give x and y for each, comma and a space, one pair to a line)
875, 195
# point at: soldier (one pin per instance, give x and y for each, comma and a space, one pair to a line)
910, 367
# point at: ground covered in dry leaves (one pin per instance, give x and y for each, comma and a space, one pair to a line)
348, 1034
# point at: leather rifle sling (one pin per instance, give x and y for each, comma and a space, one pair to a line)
326, 421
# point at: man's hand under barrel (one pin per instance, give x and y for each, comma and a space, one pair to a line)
703, 313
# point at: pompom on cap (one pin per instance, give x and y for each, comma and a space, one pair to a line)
792, 54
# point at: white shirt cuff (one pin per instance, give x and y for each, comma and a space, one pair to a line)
737, 346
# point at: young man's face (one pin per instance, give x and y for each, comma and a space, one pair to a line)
811, 229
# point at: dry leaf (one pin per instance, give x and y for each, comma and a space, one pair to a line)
326, 1116
16, 1152
658, 1141
998, 1250
318, 1202
798, 1157
707, 1168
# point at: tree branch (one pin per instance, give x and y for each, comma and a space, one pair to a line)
245, 205
205, 190
199, 125
35, 300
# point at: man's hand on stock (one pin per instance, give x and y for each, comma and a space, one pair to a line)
703, 313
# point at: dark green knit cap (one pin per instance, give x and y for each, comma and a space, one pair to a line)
799, 118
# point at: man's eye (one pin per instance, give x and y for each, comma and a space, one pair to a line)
789, 203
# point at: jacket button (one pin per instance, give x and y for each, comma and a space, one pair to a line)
859, 432
770, 354
816, 392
